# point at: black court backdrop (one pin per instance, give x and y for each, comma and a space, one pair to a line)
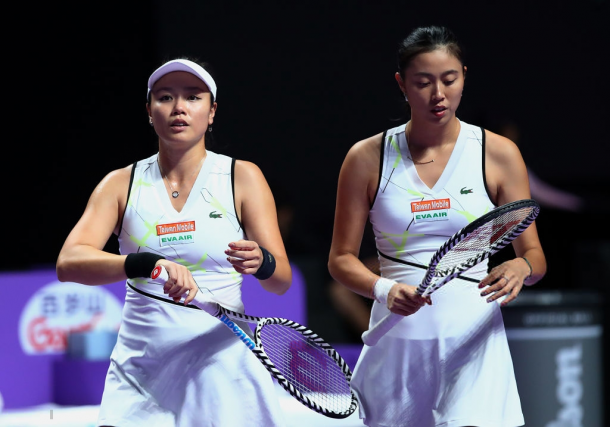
298, 84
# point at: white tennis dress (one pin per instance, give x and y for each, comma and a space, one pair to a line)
448, 364
175, 365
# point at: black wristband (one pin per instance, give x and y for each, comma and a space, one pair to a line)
141, 264
267, 267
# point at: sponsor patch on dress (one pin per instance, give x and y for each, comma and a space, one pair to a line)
431, 210
176, 233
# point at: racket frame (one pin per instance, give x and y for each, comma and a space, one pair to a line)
228, 318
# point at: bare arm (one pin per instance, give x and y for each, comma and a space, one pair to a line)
358, 180
256, 209
508, 181
82, 258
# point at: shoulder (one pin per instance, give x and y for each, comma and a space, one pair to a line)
118, 178
248, 176
500, 148
366, 150
247, 170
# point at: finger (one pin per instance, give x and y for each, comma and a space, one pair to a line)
244, 263
240, 255
246, 245
499, 293
242, 270
497, 284
491, 279
191, 295
510, 297
407, 311
178, 292
169, 289
409, 304
168, 285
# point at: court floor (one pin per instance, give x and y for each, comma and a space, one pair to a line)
297, 415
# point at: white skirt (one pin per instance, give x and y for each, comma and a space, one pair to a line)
177, 366
446, 365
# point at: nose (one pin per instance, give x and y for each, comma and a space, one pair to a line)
178, 107
438, 94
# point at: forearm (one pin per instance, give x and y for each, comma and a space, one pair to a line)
281, 279
348, 270
90, 266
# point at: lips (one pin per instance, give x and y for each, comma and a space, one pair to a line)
179, 123
439, 111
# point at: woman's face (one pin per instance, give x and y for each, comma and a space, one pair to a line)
180, 107
433, 83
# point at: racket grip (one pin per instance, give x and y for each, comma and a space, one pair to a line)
373, 335
159, 275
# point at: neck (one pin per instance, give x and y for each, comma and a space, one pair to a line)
427, 135
179, 165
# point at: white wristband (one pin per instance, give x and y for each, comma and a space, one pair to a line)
382, 289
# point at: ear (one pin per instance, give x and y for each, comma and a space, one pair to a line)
212, 113
148, 109
401, 84
464, 71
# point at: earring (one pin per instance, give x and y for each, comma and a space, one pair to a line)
150, 121
210, 128
406, 99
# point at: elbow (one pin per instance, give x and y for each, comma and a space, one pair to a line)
279, 287
332, 267
280, 282
61, 269
283, 289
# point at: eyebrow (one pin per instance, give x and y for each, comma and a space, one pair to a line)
423, 73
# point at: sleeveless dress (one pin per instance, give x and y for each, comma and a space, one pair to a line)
175, 365
449, 363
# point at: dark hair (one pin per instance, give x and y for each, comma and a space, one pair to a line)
424, 40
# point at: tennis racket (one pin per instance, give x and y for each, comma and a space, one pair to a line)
301, 361
468, 247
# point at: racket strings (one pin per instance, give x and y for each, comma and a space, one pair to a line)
308, 367
483, 241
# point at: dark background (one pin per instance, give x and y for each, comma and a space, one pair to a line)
298, 84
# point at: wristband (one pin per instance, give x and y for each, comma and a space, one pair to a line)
530, 266
267, 267
381, 289
141, 264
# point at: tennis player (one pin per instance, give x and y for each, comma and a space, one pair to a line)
208, 219
447, 362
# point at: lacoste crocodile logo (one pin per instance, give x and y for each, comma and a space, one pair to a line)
464, 191
213, 214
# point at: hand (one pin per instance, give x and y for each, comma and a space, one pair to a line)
180, 283
404, 300
505, 279
245, 256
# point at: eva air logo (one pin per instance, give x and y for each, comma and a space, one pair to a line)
465, 191
213, 214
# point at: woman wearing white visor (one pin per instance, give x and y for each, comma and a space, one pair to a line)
208, 219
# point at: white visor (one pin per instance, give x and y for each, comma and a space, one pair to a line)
182, 65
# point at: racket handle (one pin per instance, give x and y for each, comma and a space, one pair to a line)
373, 335
159, 275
